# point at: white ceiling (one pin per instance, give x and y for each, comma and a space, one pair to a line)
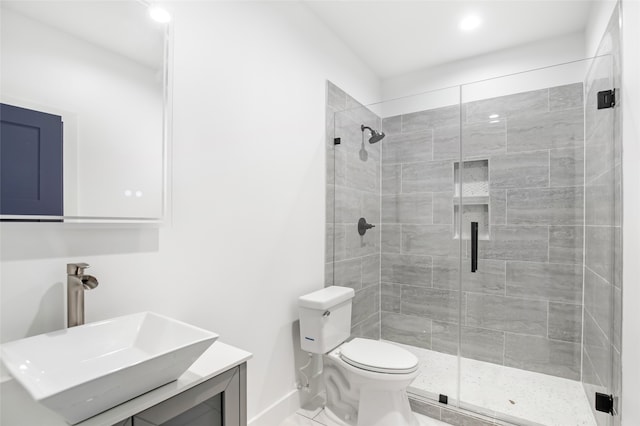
397, 37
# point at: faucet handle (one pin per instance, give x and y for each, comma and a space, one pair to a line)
76, 268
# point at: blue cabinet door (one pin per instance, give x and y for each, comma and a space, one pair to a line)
30, 162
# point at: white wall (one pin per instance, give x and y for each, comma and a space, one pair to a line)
631, 212
508, 61
247, 231
599, 16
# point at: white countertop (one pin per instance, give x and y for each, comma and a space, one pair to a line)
19, 409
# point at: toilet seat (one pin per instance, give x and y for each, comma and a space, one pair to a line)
379, 357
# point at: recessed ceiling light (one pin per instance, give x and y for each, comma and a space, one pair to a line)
158, 14
470, 22
494, 116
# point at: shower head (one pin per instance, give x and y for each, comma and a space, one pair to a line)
375, 136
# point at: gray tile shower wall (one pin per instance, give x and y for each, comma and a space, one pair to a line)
523, 308
353, 191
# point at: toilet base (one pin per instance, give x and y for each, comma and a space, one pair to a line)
378, 408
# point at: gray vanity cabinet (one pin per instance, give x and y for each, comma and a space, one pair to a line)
219, 401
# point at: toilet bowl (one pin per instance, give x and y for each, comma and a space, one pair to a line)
366, 383
365, 379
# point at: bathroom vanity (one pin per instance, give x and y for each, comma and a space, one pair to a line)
211, 392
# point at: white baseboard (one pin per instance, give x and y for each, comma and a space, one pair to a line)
277, 412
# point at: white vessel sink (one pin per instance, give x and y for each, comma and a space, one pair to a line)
82, 371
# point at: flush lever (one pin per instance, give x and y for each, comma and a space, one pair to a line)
326, 313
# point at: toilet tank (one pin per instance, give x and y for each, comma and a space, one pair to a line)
325, 318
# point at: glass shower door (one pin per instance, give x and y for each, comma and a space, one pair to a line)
526, 214
420, 255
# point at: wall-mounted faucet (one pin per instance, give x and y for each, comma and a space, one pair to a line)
77, 283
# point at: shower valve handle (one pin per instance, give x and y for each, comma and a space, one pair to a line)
363, 226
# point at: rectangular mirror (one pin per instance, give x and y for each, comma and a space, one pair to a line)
101, 67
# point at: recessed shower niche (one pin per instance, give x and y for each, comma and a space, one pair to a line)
474, 188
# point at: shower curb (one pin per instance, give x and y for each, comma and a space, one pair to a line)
452, 415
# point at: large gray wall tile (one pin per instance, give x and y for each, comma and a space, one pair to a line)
599, 146
497, 206
407, 208
430, 176
521, 170
488, 279
446, 142
348, 130
444, 337
361, 114
425, 409
477, 343
370, 207
565, 244
567, 167
407, 147
406, 269
410, 330
390, 294
328, 274
366, 302
533, 101
363, 174
546, 281
565, 322
545, 206
347, 204
391, 236
483, 139
391, 178
507, 314
597, 347
430, 303
359, 246
392, 125
482, 344
443, 208
430, 240
558, 129
528, 243
566, 97
599, 256
543, 355
338, 235
598, 301
368, 329
439, 117
617, 318
590, 378
347, 273
600, 208
370, 270
336, 98
339, 166
459, 419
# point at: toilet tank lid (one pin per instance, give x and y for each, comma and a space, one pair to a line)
326, 298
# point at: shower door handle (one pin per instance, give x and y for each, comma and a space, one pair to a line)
474, 246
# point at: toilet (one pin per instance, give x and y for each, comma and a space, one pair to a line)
366, 380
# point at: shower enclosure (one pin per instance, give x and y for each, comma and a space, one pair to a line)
492, 254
